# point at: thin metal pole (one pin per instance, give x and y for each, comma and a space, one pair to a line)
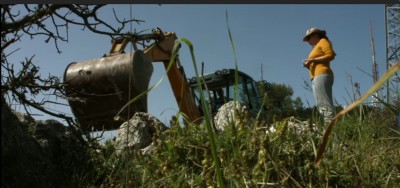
387, 53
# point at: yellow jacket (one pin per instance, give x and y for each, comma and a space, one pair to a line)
322, 49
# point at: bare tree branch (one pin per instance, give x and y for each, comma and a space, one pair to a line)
52, 23
35, 23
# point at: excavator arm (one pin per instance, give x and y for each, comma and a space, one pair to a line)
161, 52
97, 89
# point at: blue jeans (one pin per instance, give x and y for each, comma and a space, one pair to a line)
322, 90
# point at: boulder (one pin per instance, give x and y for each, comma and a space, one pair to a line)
24, 119
37, 153
63, 148
23, 163
137, 133
149, 150
226, 114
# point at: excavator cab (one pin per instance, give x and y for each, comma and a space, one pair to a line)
219, 88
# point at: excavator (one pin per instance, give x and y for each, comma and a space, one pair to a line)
98, 89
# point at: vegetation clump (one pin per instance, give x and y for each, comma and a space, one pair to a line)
361, 152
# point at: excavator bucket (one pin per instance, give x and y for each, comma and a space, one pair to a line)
97, 89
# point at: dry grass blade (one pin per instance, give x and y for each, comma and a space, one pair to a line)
375, 87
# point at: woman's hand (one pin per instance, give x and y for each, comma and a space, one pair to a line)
307, 62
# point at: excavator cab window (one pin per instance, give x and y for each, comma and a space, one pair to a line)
219, 88
247, 92
215, 95
220, 98
254, 95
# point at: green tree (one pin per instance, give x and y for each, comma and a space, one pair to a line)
278, 101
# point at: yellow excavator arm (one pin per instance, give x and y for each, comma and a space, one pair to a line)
161, 52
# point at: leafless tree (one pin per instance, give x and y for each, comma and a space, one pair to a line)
50, 22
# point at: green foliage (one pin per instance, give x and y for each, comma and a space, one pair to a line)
278, 102
385, 77
365, 151
360, 154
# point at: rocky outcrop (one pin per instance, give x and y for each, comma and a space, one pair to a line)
137, 133
37, 154
226, 115
23, 163
63, 148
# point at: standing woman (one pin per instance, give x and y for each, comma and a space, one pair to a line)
318, 63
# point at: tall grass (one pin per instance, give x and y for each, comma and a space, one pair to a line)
356, 103
208, 120
360, 154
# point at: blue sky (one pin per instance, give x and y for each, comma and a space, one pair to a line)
263, 34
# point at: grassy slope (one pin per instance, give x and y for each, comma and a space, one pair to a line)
361, 152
